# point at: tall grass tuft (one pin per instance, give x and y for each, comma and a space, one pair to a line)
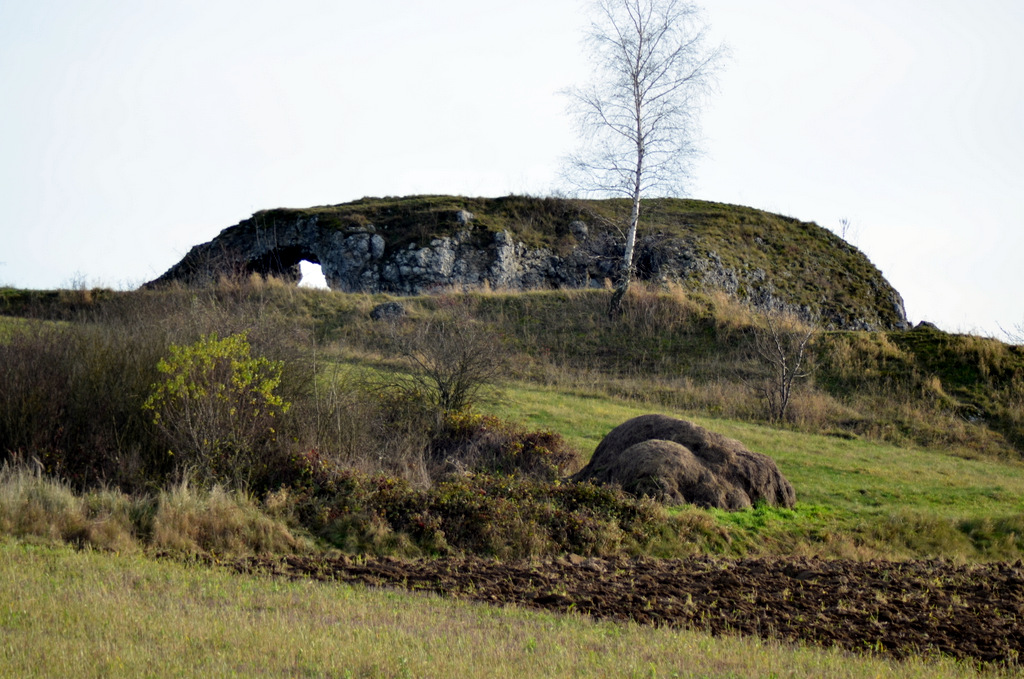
188, 519
182, 519
34, 506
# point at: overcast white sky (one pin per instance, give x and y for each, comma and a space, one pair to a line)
131, 130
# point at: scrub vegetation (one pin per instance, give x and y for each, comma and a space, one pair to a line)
374, 435
256, 418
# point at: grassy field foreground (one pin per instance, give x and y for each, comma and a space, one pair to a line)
82, 613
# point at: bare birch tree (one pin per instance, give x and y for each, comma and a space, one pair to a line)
653, 70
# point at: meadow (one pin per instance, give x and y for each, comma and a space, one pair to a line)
900, 446
67, 612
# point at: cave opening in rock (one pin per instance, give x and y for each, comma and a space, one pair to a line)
296, 265
312, 275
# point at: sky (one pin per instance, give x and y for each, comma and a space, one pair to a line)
131, 130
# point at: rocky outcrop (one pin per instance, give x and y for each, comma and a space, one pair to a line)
677, 462
464, 251
359, 260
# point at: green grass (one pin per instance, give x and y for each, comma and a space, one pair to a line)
86, 614
864, 498
93, 614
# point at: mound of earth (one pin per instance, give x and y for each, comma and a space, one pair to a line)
678, 462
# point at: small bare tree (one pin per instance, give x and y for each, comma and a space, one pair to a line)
844, 228
639, 116
453, 359
847, 231
780, 347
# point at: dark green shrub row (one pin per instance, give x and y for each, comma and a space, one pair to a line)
503, 516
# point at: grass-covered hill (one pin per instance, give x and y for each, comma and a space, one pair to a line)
79, 367
254, 417
421, 243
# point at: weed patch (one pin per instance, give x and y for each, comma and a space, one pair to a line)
477, 514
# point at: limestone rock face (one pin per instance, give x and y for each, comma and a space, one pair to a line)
463, 250
678, 462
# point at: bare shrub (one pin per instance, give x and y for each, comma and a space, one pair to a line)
73, 390
779, 346
358, 425
399, 427
453, 359
71, 398
348, 419
36, 388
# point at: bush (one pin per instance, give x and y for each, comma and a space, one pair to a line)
453, 360
218, 407
73, 389
71, 397
469, 441
780, 348
486, 514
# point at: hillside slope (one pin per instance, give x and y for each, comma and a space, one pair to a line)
423, 243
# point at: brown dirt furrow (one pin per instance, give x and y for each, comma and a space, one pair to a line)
895, 608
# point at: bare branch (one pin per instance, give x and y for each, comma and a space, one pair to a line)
1016, 335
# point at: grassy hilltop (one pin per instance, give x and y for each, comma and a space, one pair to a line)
750, 254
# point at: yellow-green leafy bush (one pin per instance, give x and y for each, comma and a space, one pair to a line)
218, 408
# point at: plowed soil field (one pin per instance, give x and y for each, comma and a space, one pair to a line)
892, 608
